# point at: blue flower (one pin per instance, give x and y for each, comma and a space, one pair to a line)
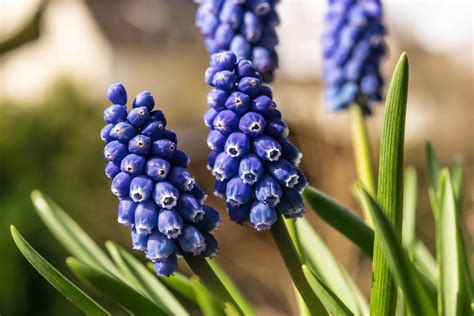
252, 159
353, 47
158, 197
247, 28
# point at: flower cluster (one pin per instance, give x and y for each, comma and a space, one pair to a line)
158, 197
246, 27
353, 47
253, 161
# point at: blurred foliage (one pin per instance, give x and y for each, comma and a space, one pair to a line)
52, 145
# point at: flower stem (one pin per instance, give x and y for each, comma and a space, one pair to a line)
362, 154
294, 265
200, 267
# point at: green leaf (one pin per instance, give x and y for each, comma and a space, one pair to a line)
143, 280
424, 261
68, 289
390, 185
432, 172
409, 210
454, 299
231, 288
415, 293
206, 301
457, 180
181, 284
111, 286
321, 261
330, 300
70, 234
341, 218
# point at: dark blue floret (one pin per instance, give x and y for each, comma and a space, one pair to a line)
247, 28
158, 197
353, 47
254, 163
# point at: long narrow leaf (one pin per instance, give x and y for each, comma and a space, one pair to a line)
145, 281
68, 289
416, 295
432, 172
320, 259
390, 185
70, 234
409, 209
454, 299
206, 301
330, 300
122, 293
425, 262
341, 218
180, 284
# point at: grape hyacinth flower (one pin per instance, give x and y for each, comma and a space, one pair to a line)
158, 198
353, 46
254, 163
245, 27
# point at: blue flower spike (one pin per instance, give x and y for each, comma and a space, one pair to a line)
353, 46
252, 159
159, 199
245, 28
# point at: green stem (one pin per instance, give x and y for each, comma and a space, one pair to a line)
362, 154
293, 264
200, 267
383, 295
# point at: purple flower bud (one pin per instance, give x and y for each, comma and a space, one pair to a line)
170, 223
138, 116
238, 102
226, 122
291, 204
212, 248
163, 148
121, 184
122, 132
133, 164
117, 94
239, 214
220, 189
157, 169
216, 141
252, 27
223, 35
210, 221
250, 169
165, 195
210, 116
284, 172
250, 86
302, 182
153, 129
260, 7
262, 104
159, 247
240, 46
208, 25
263, 60
144, 98
181, 179
180, 159
268, 191
105, 133
224, 80
252, 124
189, 208
111, 169
139, 240
166, 267
237, 192
245, 68
146, 217
231, 13
171, 136
126, 212
223, 60
276, 128
115, 114
191, 240
209, 74
198, 193
265, 90
141, 188
216, 99
237, 145
159, 117
262, 217
211, 158
290, 152
267, 148
139, 145
225, 167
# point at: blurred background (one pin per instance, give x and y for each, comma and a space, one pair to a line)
58, 58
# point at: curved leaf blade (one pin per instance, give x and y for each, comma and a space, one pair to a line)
120, 292
206, 301
64, 286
